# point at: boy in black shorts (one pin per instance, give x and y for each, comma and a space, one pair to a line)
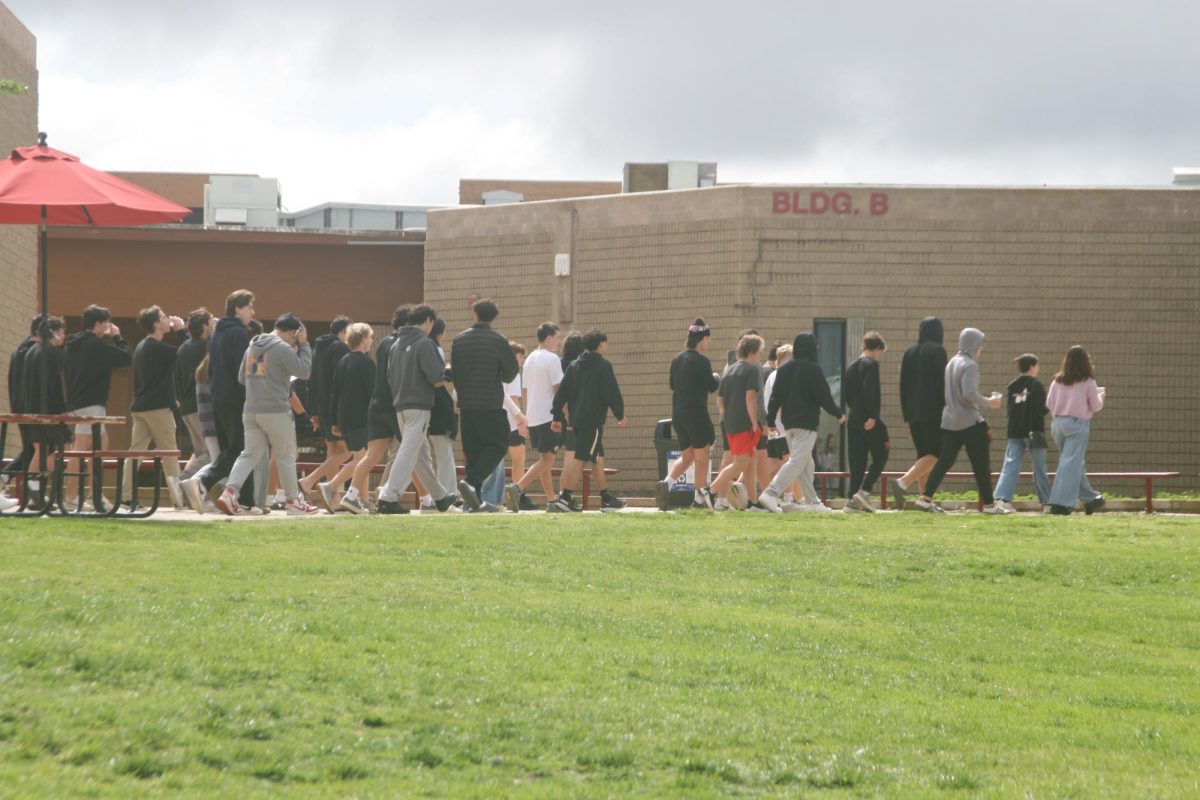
541, 376
328, 352
353, 387
382, 426
692, 381
922, 398
589, 389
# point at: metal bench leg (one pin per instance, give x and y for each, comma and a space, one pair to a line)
1149, 496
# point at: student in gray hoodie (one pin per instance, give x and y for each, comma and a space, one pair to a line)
270, 363
415, 370
963, 425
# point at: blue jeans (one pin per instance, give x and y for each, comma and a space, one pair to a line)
1014, 457
1070, 480
492, 490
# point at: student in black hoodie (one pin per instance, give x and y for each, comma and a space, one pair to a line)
328, 352
154, 401
483, 363
692, 380
92, 355
382, 426
800, 392
590, 389
226, 349
16, 400
43, 391
865, 431
353, 385
1026, 431
922, 398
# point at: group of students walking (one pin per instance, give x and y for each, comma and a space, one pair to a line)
233, 386
770, 415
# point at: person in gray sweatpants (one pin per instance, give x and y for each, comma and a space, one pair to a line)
270, 363
415, 371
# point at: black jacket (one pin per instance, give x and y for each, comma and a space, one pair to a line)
16, 366
353, 385
801, 390
442, 419
187, 358
589, 390
42, 373
328, 352
226, 348
860, 391
483, 361
692, 382
923, 375
90, 362
381, 397
153, 375
1026, 407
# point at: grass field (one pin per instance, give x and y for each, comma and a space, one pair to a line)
687, 655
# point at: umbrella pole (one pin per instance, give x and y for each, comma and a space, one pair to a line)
44, 264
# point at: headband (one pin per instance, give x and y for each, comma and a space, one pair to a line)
698, 329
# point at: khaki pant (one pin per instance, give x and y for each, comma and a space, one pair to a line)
157, 427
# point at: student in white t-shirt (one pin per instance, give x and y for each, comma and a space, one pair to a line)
542, 373
516, 435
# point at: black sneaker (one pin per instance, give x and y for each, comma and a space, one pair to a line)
512, 497
898, 494
467, 493
568, 503
706, 497
526, 504
610, 501
1093, 506
1061, 511
446, 502
662, 495
390, 507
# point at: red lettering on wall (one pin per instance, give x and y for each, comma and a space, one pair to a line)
780, 203
842, 204
879, 203
818, 202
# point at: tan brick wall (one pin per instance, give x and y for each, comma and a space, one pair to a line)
1117, 270
18, 243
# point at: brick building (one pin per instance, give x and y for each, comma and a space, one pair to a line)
18, 243
1117, 270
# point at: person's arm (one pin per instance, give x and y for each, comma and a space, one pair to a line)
1095, 397
871, 392
510, 405
825, 400
905, 367
752, 407
615, 401
778, 396
708, 378
116, 352
339, 385
241, 373
970, 386
1037, 407
303, 362
430, 363
939, 369
561, 396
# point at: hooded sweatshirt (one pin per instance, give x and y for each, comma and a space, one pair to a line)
589, 389
90, 362
381, 398
414, 366
16, 365
922, 375
267, 370
328, 351
963, 399
1026, 407
801, 390
226, 351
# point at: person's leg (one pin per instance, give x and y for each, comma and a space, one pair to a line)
1086, 493
686, 459
572, 470
376, 450
281, 433
200, 456
443, 461
800, 444
490, 431
492, 490
879, 447
471, 444
162, 433
336, 455
1041, 480
856, 445
262, 477
516, 457
979, 446
139, 439
257, 445
598, 476
952, 442
737, 465
412, 438
1065, 490
1010, 472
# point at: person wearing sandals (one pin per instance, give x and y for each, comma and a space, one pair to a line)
1073, 400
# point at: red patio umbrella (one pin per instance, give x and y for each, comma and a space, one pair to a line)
43, 186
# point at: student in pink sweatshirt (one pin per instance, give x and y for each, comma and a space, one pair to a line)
1073, 398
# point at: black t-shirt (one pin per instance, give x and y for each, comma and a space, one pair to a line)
153, 375
861, 390
740, 378
692, 382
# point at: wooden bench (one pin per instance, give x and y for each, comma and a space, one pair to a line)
101, 458
1148, 477
555, 472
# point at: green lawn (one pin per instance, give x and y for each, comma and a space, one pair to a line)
689, 655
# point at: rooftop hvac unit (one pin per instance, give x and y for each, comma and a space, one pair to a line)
241, 200
1187, 176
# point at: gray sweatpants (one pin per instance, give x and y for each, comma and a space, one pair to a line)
799, 466
266, 432
413, 455
443, 461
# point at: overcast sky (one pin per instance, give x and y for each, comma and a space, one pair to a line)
393, 102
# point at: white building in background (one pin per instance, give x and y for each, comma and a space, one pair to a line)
359, 217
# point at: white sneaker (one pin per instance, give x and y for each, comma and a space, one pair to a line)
853, 506
1007, 506
250, 511
929, 506
210, 507
722, 505
864, 502
739, 498
301, 507
7, 502
770, 502
819, 508
193, 490
791, 507
327, 495
228, 503
998, 508
176, 492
